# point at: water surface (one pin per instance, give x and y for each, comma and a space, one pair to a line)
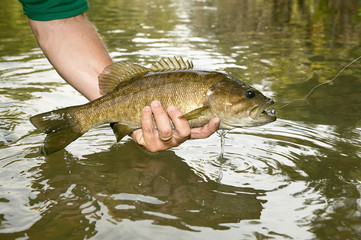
297, 178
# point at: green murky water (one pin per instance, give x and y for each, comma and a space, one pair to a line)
297, 178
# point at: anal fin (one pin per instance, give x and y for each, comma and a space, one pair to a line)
120, 131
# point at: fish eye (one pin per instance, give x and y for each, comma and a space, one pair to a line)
250, 94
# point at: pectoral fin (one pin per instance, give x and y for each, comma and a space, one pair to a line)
120, 130
198, 112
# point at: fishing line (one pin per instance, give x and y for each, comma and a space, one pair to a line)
273, 111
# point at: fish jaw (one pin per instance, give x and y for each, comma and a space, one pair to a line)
255, 116
256, 111
258, 115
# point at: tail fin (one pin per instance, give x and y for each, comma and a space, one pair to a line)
61, 127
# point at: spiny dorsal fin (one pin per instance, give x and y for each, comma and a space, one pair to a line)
171, 64
115, 73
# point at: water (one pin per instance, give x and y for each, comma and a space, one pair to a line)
297, 178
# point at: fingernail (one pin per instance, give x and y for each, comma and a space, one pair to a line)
156, 103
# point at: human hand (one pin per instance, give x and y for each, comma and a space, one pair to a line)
164, 136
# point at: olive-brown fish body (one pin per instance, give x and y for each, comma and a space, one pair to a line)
184, 89
200, 95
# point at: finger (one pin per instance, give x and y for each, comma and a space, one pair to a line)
137, 136
181, 126
148, 131
206, 130
164, 126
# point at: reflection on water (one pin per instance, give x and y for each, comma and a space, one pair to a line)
128, 183
297, 178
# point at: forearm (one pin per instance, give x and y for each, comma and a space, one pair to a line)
75, 50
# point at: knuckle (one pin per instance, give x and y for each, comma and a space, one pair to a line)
147, 129
185, 133
167, 132
152, 148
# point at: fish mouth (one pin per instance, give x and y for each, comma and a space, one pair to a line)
256, 111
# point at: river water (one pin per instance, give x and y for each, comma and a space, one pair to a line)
296, 178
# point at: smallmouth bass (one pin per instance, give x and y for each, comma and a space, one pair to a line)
200, 95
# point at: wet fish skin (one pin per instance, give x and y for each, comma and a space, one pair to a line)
184, 89
201, 95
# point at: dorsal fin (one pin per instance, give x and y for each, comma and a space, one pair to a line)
116, 73
171, 64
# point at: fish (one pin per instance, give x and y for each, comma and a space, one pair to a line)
128, 87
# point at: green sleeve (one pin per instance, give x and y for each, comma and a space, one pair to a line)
45, 10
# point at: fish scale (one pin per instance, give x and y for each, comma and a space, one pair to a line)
128, 88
